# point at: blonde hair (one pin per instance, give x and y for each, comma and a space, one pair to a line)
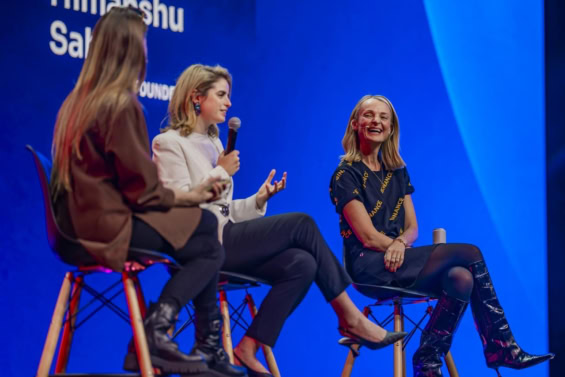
108, 81
196, 79
389, 151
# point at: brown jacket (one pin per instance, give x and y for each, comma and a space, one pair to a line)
115, 180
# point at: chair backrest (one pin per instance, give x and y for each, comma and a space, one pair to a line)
59, 240
56, 238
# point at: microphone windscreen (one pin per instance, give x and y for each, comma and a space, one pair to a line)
234, 123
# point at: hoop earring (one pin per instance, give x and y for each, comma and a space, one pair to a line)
197, 108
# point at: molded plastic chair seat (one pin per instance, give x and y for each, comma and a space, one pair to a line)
384, 293
230, 281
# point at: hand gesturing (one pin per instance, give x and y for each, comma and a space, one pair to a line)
267, 189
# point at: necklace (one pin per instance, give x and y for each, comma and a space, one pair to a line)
382, 177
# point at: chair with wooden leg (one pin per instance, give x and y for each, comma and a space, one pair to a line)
233, 316
67, 308
397, 298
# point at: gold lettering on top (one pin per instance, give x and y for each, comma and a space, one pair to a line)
396, 209
365, 177
339, 174
376, 209
386, 181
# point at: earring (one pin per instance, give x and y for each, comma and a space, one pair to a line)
197, 108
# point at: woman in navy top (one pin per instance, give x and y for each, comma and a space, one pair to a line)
371, 190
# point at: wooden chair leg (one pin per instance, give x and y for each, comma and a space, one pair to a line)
399, 367
451, 365
226, 333
348, 367
54, 327
267, 351
69, 328
137, 325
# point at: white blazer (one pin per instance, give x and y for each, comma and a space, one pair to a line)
184, 162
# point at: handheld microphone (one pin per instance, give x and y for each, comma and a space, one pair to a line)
233, 124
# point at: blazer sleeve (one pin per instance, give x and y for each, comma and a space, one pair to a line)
127, 146
173, 167
246, 209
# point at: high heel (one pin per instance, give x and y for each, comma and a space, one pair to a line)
350, 339
251, 372
499, 346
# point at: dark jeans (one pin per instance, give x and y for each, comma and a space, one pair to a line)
289, 252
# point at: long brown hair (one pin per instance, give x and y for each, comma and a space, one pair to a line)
109, 78
389, 149
196, 79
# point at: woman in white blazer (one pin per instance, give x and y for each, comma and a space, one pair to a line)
286, 250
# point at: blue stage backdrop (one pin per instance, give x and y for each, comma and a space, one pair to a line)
466, 80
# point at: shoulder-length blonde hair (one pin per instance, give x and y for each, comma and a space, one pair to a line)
195, 80
389, 151
108, 81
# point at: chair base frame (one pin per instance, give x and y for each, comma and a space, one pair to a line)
399, 352
65, 318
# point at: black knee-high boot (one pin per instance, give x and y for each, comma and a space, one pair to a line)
500, 347
209, 345
437, 336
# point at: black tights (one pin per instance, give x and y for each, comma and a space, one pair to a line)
447, 270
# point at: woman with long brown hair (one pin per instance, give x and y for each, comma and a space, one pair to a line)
106, 191
287, 250
372, 192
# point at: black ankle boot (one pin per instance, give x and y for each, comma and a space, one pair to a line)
500, 347
209, 345
164, 353
437, 336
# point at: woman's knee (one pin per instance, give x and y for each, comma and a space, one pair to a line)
462, 253
304, 219
472, 252
458, 282
303, 225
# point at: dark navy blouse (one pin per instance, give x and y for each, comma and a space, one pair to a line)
381, 192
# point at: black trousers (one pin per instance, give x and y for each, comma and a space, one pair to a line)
289, 252
201, 258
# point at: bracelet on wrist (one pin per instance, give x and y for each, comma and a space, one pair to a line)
401, 241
